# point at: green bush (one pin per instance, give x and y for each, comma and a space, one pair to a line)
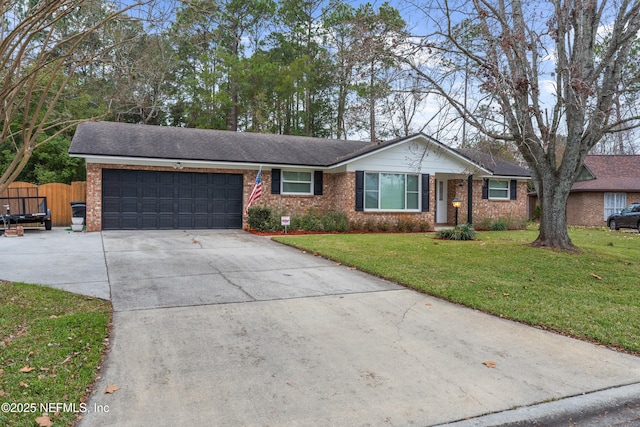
424, 226
335, 221
308, 222
384, 226
411, 226
401, 225
499, 225
406, 225
536, 213
459, 232
263, 219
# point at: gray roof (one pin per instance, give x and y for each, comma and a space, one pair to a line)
495, 165
162, 142
113, 139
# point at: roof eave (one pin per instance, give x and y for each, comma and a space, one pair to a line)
188, 163
524, 177
406, 139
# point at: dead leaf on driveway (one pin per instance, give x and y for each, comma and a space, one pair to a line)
489, 364
111, 388
44, 421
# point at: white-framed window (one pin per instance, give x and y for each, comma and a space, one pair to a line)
614, 203
297, 182
499, 189
391, 191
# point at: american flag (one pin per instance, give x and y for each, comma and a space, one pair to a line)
256, 193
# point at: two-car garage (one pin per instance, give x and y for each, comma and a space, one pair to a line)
148, 199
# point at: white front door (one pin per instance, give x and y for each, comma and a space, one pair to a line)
441, 201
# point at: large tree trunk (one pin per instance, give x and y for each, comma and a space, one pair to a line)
552, 196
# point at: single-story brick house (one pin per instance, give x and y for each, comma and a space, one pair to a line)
156, 177
607, 183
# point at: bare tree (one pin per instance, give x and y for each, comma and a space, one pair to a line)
536, 70
42, 46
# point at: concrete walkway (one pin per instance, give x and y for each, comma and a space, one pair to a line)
227, 329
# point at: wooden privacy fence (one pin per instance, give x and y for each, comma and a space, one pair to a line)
59, 197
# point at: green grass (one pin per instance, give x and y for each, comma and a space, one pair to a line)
59, 334
593, 295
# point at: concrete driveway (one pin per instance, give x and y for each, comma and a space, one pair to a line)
227, 329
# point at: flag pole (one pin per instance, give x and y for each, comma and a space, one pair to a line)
256, 192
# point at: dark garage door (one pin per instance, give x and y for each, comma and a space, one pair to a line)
133, 199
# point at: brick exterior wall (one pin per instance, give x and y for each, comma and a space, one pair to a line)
94, 197
587, 208
338, 195
485, 208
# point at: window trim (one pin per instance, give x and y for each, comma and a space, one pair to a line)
283, 180
417, 192
507, 189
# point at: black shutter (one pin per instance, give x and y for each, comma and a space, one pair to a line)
514, 189
359, 191
425, 192
485, 188
470, 199
317, 183
275, 181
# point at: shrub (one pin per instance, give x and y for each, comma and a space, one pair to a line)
424, 226
320, 221
460, 232
483, 223
406, 225
335, 221
499, 225
536, 213
308, 222
369, 225
263, 219
384, 226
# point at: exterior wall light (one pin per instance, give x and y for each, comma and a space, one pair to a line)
456, 204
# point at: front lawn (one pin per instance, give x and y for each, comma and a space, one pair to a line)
51, 342
594, 295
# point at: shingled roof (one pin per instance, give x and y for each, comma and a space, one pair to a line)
620, 173
125, 140
162, 142
495, 165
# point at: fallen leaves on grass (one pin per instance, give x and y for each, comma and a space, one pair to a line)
27, 369
596, 276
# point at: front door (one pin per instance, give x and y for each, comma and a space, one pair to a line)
441, 201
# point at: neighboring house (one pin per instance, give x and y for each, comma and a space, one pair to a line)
606, 185
153, 177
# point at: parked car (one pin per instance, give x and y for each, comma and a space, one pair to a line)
628, 217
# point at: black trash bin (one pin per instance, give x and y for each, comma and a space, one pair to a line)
79, 210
